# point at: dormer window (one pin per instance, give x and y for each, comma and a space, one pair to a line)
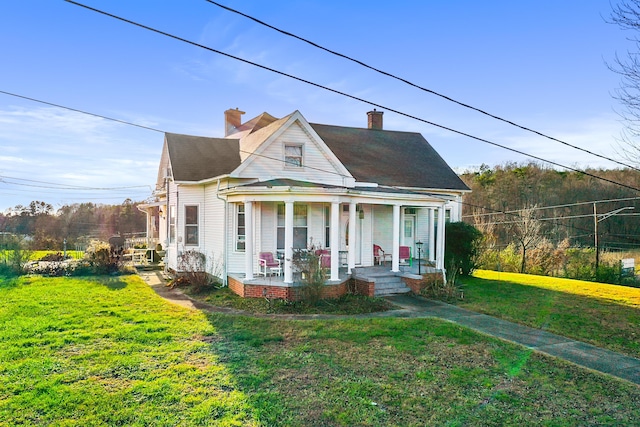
293, 156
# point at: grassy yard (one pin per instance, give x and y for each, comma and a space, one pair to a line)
109, 351
605, 315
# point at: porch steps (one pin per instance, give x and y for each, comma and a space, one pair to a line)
386, 283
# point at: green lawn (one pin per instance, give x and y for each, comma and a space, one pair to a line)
110, 352
605, 315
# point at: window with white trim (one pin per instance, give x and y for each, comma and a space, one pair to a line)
172, 224
292, 156
240, 228
191, 225
327, 226
299, 227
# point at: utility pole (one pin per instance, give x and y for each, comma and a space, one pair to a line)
596, 219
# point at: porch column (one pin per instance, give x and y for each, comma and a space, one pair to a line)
351, 262
248, 240
288, 242
395, 262
432, 234
335, 237
440, 249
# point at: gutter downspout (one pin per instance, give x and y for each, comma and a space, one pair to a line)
225, 236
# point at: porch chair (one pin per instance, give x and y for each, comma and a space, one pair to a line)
325, 258
405, 256
379, 256
267, 263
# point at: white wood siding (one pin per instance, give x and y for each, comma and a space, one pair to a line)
172, 247
315, 225
212, 231
235, 259
264, 167
366, 239
268, 227
383, 227
422, 231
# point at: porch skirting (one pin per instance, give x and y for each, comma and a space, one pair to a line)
291, 292
365, 285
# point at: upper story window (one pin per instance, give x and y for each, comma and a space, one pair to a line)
191, 225
293, 156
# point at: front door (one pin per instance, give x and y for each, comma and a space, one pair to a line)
408, 234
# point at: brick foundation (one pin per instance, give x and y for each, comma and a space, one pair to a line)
416, 285
361, 287
289, 293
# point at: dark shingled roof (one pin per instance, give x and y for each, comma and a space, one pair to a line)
194, 158
402, 159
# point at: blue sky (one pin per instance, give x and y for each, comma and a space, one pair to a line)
539, 63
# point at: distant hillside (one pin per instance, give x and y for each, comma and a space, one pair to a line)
512, 187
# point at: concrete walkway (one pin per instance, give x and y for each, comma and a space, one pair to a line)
580, 353
586, 355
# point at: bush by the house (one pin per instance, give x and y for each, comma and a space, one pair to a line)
312, 275
104, 259
462, 248
192, 271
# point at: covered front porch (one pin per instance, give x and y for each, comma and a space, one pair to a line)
345, 227
370, 281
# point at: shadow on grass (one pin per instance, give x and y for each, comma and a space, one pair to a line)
113, 283
8, 282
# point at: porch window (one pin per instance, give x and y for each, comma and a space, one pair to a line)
172, 224
327, 226
299, 227
191, 225
293, 156
240, 228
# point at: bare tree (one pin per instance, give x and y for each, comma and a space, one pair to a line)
626, 14
526, 230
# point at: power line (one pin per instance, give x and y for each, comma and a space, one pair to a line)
556, 206
79, 111
343, 93
414, 85
64, 186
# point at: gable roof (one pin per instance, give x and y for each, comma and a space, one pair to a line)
194, 158
256, 123
250, 143
391, 158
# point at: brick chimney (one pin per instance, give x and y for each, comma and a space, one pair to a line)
232, 119
374, 119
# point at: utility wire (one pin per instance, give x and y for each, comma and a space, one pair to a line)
79, 111
63, 186
557, 206
345, 94
393, 76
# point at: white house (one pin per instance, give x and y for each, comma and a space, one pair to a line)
277, 185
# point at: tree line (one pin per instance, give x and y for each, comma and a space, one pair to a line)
47, 228
512, 202
539, 220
